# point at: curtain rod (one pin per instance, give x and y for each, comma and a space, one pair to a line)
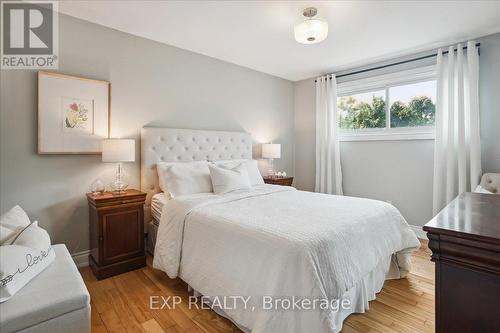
397, 63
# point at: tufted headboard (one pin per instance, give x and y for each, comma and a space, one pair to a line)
184, 145
491, 182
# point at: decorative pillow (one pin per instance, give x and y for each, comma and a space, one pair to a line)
480, 189
30, 253
11, 223
254, 175
227, 180
182, 178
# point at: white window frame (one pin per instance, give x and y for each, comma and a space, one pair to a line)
384, 82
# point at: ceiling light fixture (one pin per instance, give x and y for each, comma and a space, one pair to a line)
312, 30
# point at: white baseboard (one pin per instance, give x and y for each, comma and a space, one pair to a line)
418, 230
81, 259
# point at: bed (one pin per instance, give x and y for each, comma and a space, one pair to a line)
284, 260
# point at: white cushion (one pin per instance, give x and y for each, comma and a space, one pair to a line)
480, 189
184, 178
5, 234
56, 291
226, 180
254, 175
22, 261
11, 223
34, 237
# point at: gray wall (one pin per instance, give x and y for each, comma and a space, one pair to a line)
398, 171
153, 84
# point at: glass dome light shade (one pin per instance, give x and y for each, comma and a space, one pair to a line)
311, 31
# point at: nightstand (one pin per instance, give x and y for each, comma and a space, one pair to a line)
116, 232
283, 181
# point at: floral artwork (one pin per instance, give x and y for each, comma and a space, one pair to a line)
77, 115
73, 114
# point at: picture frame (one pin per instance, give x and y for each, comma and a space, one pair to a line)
73, 113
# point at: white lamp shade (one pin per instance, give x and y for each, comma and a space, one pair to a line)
311, 31
118, 150
271, 150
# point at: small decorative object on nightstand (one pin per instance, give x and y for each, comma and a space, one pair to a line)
283, 181
116, 232
97, 187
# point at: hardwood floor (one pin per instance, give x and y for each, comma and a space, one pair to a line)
121, 304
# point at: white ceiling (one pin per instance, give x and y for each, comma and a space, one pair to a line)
259, 34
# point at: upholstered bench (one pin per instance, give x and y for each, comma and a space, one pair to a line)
55, 301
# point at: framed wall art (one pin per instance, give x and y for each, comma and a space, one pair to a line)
73, 114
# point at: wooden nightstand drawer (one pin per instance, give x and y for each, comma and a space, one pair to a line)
116, 232
108, 199
283, 181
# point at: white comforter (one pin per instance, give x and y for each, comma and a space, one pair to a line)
277, 241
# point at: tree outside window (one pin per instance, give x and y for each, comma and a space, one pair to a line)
410, 105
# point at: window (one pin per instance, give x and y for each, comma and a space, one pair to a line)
391, 107
363, 110
413, 104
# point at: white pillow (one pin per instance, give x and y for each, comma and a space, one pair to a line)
226, 180
11, 223
30, 254
480, 189
254, 175
182, 178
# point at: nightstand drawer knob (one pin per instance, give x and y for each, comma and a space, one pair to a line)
101, 238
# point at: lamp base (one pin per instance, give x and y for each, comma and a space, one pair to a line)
119, 186
270, 170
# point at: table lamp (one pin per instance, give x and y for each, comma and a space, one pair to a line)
118, 151
271, 151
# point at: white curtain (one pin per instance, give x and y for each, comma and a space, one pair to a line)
328, 171
457, 148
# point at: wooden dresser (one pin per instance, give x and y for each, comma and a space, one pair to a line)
116, 232
465, 242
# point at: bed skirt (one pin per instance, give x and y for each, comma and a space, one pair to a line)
151, 239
